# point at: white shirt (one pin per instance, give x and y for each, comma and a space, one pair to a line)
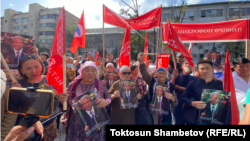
128, 93
241, 87
92, 110
159, 98
110, 82
20, 52
215, 106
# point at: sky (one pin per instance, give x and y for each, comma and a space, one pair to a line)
92, 8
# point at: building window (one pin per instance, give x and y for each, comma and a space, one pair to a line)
47, 33
239, 12
17, 27
74, 23
25, 26
48, 25
14, 28
189, 14
25, 33
25, 19
49, 16
166, 16
31, 24
211, 13
5, 21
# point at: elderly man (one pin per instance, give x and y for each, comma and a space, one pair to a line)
109, 69
160, 79
180, 82
241, 78
216, 62
17, 50
92, 115
129, 96
71, 71
214, 110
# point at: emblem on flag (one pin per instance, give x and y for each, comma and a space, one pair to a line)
79, 31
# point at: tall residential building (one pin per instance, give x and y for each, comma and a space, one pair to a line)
207, 13
39, 21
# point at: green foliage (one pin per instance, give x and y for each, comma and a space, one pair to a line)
70, 31
236, 49
40, 49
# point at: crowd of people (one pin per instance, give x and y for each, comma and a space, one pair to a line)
184, 89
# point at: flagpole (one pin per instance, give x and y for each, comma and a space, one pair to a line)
64, 64
157, 49
103, 41
64, 81
130, 46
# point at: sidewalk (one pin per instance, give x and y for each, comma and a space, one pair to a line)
61, 133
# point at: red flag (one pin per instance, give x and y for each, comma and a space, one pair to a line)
79, 36
97, 56
190, 48
112, 18
163, 61
228, 85
124, 58
55, 70
175, 43
146, 57
148, 20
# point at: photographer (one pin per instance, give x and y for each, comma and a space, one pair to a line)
31, 70
7, 119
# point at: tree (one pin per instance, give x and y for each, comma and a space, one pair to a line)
137, 44
178, 14
70, 31
40, 49
235, 48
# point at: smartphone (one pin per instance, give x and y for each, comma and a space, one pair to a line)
39, 103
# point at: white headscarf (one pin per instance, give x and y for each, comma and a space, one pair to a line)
87, 64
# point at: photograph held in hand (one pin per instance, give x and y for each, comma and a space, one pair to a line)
91, 117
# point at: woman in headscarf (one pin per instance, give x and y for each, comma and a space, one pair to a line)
118, 115
153, 83
87, 80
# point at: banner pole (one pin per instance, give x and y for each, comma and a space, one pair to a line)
157, 48
103, 41
130, 46
64, 81
7, 68
173, 59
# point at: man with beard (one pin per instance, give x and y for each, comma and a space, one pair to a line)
180, 82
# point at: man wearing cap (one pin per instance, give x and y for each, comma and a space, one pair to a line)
110, 60
7, 119
159, 80
179, 61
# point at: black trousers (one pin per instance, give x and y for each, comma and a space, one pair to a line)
179, 117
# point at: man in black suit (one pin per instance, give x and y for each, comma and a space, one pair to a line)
92, 115
216, 62
161, 104
214, 110
129, 96
13, 54
110, 80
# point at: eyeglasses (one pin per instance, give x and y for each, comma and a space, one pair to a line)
128, 73
33, 56
181, 57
